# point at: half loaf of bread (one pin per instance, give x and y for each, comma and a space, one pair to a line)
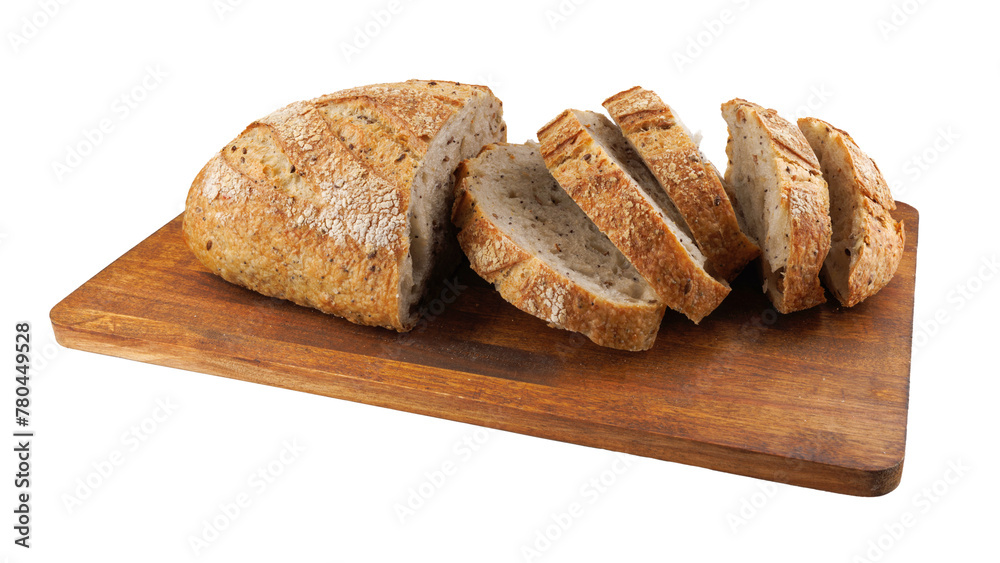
594, 163
525, 235
867, 242
341, 203
692, 183
779, 192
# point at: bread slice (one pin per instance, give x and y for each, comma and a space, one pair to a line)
867, 242
692, 183
341, 203
522, 233
777, 189
593, 162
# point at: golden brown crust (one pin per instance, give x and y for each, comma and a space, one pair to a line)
876, 256
804, 195
310, 203
536, 288
868, 177
809, 205
692, 183
417, 109
620, 210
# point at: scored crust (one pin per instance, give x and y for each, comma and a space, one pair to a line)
311, 203
690, 180
793, 253
867, 243
622, 211
531, 283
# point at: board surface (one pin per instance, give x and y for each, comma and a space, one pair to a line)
817, 398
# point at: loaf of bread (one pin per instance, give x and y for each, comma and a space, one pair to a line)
522, 233
593, 162
778, 190
691, 182
867, 243
341, 203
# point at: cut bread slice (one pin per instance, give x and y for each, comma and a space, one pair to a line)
780, 194
522, 233
692, 183
593, 162
867, 242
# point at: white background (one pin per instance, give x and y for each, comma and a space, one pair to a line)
916, 85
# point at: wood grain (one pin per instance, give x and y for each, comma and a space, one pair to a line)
817, 398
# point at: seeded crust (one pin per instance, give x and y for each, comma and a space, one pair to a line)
620, 209
867, 243
313, 202
768, 153
533, 281
690, 180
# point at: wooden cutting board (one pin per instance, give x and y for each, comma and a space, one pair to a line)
817, 398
